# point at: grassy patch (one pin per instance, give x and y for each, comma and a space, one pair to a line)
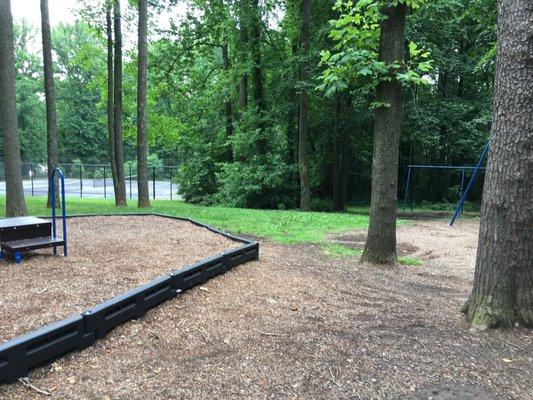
409, 261
335, 250
281, 226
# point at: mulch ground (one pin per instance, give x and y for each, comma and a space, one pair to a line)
107, 257
297, 324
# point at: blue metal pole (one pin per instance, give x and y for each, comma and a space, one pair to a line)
407, 187
64, 214
462, 185
53, 202
31, 178
470, 184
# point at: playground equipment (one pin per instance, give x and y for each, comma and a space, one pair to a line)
464, 192
470, 184
21, 234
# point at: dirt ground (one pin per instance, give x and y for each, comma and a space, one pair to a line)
297, 324
107, 256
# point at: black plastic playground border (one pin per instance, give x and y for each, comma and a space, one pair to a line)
37, 348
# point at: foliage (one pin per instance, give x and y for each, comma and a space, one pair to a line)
355, 59
446, 119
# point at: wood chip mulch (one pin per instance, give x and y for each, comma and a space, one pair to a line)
298, 324
107, 257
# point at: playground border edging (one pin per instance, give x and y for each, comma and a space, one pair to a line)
40, 347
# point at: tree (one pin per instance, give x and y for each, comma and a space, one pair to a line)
79, 62
503, 282
243, 44
257, 67
303, 162
110, 95
380, 245
15, 203
29, 84
120, 193
142, 141
51, 124
338, 150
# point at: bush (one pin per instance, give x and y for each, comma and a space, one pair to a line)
262, 182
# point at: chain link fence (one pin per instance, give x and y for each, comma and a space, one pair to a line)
96, 181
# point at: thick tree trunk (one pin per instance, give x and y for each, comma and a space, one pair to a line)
110, 111
142, 140
15, 204
228, 107
120, 193
243, 43
338, 204
51, 125
380, 246
503, 281
303, 136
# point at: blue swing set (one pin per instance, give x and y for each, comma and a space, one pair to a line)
464, 192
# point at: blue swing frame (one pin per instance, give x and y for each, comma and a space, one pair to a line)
464, 192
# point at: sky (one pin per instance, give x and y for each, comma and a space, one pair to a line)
65, 11
59, 10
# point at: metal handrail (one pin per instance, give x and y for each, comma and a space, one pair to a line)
63, 209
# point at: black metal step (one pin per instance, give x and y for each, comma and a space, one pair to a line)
31, 244
20, 228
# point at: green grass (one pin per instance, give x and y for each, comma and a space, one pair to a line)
335, 250
409, 261
281, 226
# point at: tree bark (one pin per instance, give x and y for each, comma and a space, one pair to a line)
303, 135
142, 140
120, 193
337, 156
15, 203
243, 42
228, 107
51, 125
380, 246
502, 293
257, 72
110, 102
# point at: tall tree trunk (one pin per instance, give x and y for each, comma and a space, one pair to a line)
120, 194
344, 169
503, 282
243, 43
337, 156
292, 108
142, 140
303, 136
110, 102
228, 108
380, 246
51, 125
15, 204
257, 72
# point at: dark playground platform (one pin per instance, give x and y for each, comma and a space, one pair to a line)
20, 234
